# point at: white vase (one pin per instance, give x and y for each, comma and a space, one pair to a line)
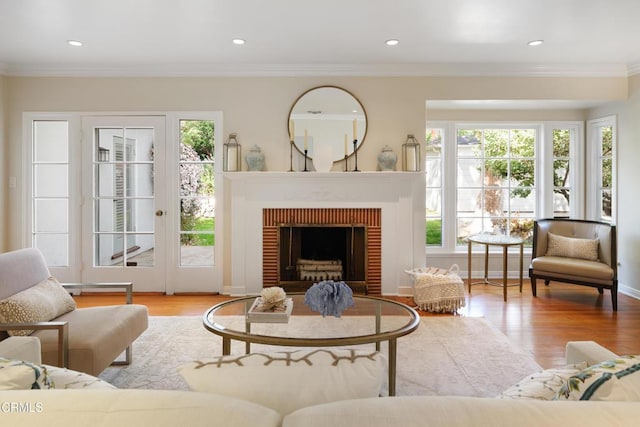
322, 158
255, 159
387, 159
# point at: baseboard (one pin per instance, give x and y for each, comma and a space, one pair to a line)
405, 291
234, 291
629, 291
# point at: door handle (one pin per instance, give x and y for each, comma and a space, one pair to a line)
159, 212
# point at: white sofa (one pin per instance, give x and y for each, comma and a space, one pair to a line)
170, 408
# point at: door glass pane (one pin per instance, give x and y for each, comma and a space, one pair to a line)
109, 177
140, 215
142, 254
51, 141
51, 216
139, 180
197, 193
123, 197
51, 181
50, 190
54, 247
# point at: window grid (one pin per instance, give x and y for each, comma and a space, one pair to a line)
496, 181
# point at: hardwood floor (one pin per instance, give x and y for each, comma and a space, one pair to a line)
541, 325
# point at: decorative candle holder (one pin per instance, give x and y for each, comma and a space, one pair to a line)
411, 158
231, 160
355, 155
305, 162
291, 156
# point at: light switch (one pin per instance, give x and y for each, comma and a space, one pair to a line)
12, 182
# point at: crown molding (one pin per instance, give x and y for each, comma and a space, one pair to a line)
302, 70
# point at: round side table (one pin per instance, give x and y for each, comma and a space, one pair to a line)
495, 240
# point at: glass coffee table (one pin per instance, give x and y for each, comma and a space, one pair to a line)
369, 320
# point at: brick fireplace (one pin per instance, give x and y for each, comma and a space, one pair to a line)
353, 220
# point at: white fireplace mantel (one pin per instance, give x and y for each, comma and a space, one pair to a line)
399, 195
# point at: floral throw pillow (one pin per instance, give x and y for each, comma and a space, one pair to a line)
542, 385
21, 375
616, 380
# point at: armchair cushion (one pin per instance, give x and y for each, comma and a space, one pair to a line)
572, 247
40, 303
97, 335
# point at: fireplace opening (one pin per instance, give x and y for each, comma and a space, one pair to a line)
312, 253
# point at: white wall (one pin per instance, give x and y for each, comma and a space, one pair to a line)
257, 108
628, 114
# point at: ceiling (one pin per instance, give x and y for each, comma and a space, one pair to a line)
325, 37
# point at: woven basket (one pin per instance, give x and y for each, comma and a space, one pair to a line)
437, 290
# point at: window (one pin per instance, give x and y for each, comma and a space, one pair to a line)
433, 168
561, 168
496, 180
602, 138
498, 177
50, 190
566, 157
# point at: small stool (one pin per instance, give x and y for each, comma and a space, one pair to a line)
437, 290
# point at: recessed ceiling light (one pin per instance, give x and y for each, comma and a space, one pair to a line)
392, 42
74, 42
239, 41
535, 42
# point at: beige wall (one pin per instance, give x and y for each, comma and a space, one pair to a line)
256, 108
4, 159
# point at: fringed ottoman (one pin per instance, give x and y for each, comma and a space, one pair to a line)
437, 290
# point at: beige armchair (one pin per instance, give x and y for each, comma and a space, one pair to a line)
575, 251
84, 339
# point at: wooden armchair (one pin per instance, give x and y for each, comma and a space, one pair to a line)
575, 251
83, 339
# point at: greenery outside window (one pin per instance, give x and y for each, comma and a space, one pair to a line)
602, 186
434, 186
197, 192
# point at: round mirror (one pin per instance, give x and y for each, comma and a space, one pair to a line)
325, 121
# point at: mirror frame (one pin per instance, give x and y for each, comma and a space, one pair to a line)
355, 98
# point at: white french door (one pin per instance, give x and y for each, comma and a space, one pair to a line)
124, 200
127, 198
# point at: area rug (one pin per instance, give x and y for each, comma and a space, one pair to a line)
461, 356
